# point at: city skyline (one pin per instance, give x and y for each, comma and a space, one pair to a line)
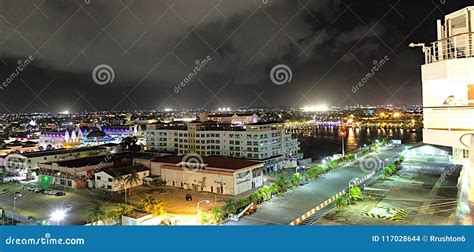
226, 50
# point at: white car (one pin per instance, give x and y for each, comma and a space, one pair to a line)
49, 192
68, 208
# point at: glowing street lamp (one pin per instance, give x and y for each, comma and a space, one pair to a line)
58, 215
342, 134
17, 195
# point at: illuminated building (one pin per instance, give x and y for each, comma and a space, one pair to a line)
73, 138
448, 98
259, 141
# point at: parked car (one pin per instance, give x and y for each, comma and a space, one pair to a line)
60, 193
4, 191
49, 192
68, 208
31, 218
189, 197
32, 188
39, 190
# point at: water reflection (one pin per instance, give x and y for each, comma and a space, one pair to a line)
324, 140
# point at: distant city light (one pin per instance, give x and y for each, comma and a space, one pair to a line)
223, 109
65, 112
168, 109
316, 108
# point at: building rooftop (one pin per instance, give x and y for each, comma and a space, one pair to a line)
109, 158
61, 151
231, 115
227, 163
125, 170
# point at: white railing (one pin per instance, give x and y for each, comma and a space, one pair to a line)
455, 47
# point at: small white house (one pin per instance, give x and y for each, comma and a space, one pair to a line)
109, 179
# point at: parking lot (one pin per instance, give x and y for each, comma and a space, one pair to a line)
40, 206
426, 192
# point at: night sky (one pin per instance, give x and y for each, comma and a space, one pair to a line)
153, 45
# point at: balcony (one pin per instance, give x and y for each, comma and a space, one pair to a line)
455, 47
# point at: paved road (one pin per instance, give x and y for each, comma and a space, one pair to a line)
284, 209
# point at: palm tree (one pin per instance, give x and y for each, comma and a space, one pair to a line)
121, 181
340, 202
124, 209
95, 214
113, 215
153, 206
355, 194
132, 180
230, 206
147, 203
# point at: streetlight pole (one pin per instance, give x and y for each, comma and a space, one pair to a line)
342, 134
343, 154
17, 195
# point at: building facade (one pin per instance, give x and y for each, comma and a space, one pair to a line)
220, 175
77, 137
115, 179
234, 119
258, 141
448, 98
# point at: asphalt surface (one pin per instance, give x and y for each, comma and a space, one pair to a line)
284, 209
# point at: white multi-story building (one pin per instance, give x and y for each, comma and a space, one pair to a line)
258, 141
448, 98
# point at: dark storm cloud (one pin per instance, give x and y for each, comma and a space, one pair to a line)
153, 46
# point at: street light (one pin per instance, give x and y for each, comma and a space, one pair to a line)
17, 195
342, 134
205, 201
422, 45
58, 215
349, 190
